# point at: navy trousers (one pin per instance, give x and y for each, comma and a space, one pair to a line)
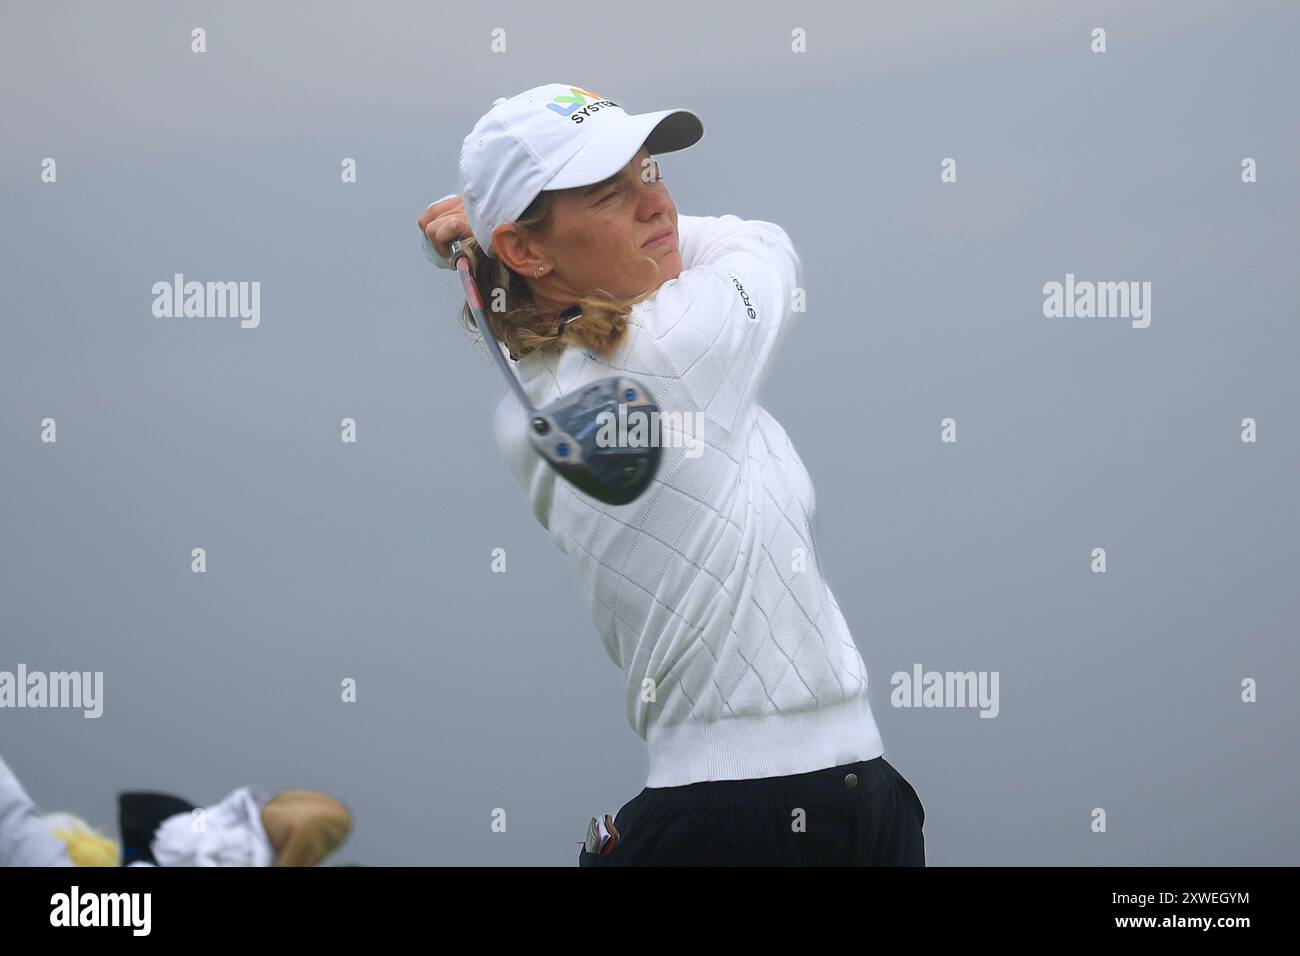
859, 814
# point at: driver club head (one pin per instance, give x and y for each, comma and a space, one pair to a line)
583, 435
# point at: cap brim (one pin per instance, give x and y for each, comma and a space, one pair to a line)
609, 151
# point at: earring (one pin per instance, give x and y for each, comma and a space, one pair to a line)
540, 269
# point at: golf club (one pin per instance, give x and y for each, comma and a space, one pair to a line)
565, 432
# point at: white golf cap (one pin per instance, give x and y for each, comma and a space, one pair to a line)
555, 137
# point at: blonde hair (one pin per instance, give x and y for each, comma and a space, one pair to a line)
522, 326
86, 846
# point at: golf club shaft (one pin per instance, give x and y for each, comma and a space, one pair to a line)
461, 262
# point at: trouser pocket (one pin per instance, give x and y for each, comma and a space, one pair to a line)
908, 791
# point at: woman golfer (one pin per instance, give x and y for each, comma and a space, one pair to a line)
741, 673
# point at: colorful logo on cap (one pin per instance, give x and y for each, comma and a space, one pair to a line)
568, 105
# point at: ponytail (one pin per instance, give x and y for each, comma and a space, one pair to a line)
597, 322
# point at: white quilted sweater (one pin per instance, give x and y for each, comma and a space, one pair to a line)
738, 662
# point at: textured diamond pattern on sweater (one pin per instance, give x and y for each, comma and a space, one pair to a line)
692, 585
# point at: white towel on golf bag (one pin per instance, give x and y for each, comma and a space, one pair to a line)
229, 833
25, 839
